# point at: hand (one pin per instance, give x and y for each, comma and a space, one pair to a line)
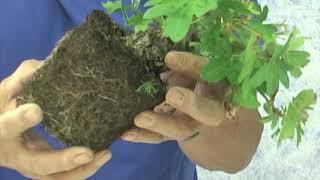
27, 153
198, 119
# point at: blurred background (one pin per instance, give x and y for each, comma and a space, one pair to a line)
288, 161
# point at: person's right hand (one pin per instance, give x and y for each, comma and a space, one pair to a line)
22, 150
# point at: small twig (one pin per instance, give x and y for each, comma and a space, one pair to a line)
198, 20
80, 75
274, 109
108, 98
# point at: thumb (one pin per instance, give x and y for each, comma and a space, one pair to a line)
12, 86
84, 171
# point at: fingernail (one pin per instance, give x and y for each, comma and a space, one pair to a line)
175, 97
28, 115
82, 158
129, 136
101, 160
164, 76
31, 115
144, 121
158, 108
172, 58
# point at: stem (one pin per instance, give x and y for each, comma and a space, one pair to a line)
198, 20
124, 13
249, 29
271, 103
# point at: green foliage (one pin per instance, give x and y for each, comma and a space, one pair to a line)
113, 6
138, 22
248, 59
242, 50
148, 88
296, 115
178, 15
136, 19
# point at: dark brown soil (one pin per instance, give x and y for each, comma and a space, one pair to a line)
87, 87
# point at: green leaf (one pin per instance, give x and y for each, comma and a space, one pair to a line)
143, 26
267, 31
254, 8
289, 123
267, 108
271, 74
152, 3
283, 74
299, 132
296, 42
296, 72
139, 23
133, 20
304, 99
272, 79
248, 59
266, 119
235, 5
296, 113
295, 60
177, 25
277, 72
201, 7
112, 6
178, 16
260, 76
233, 73
281, 50
148, 88
216, 43
215, 70
264, 14
246, 96
166, 8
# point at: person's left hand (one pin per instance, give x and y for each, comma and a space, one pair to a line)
27, 153
194, 114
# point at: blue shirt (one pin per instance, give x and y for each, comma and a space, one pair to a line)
29, 30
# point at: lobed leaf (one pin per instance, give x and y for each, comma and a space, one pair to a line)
112, 6
296, 113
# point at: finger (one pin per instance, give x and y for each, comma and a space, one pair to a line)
202, 109
164, 108
84, 171
12, 85
219, 91
177, 79
178, 128
144, 136
185, 63
53, 161
14, 123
